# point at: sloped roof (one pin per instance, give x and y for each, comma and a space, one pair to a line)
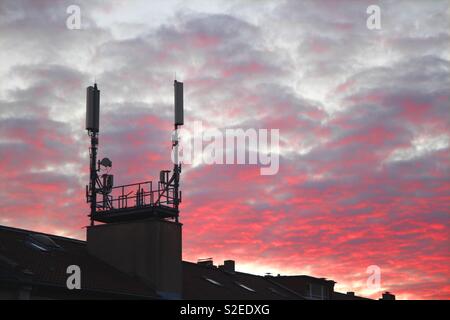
39, 259
22, 259
211, 283
23, 262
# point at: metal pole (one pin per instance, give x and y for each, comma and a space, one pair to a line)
176, 170
93, 174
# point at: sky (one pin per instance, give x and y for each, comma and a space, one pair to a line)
363, 116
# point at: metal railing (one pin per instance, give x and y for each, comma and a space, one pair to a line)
137, 195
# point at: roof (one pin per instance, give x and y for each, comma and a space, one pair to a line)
209, 282
302, 284
41, 260
23, 260
346, 296
303, 278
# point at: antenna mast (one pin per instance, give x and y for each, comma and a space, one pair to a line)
132, 201
179, 121
92, 126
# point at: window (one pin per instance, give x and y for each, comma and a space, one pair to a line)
45, 240
213, 281
37, 246
273, 290
316, 291
245, 287
42, 242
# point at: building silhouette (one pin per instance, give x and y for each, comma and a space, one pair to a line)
33, 265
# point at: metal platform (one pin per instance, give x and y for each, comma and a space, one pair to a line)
137, 201
135, 213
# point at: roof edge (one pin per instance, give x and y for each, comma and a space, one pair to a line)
14, 229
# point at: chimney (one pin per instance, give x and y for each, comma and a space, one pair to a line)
351, 293
149, 249
388, 296
229, 265
208, 262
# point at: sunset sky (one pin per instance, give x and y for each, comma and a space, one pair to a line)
363, 116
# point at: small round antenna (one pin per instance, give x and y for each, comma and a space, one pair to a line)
106, 162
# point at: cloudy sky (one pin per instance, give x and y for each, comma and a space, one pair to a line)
363, 116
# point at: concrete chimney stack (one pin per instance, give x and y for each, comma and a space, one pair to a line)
388, 296
149, 249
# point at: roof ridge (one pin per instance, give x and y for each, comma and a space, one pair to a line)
19, 230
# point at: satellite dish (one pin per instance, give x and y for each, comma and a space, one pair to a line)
106, 162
